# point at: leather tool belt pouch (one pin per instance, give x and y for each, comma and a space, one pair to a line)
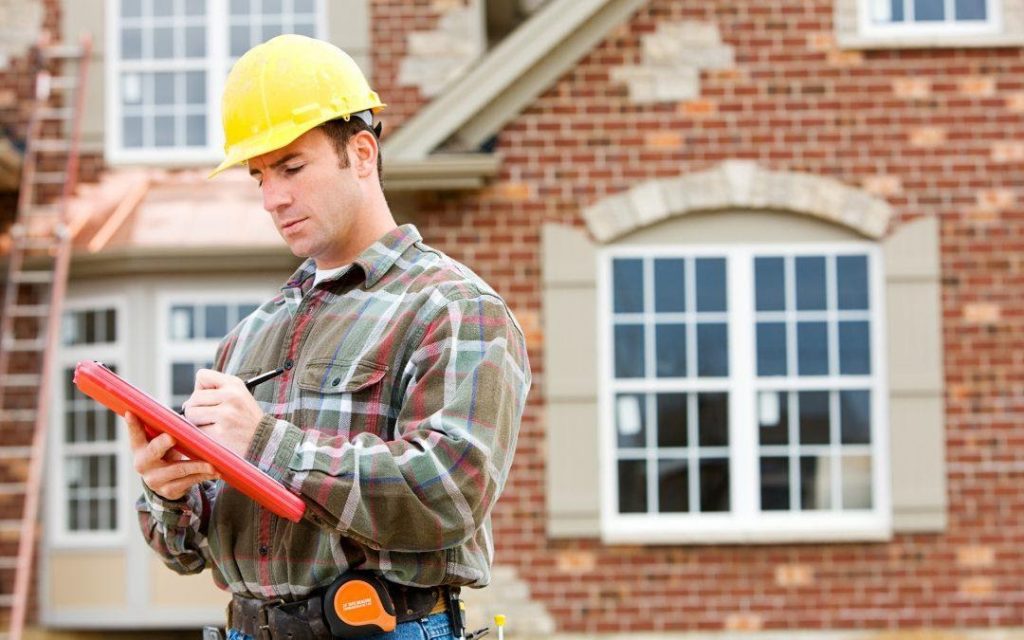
305, 619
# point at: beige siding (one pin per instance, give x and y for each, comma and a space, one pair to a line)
87, 579
169, 589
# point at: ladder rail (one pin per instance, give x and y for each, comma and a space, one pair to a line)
51, 326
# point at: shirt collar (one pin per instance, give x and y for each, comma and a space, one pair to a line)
375, 261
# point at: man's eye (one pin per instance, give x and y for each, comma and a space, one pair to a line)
293, 170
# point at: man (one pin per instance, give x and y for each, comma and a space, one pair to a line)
405, 377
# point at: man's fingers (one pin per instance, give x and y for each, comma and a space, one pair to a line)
206, 397
136, 432
177, 489
210, 379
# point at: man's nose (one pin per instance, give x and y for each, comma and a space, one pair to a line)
275, 195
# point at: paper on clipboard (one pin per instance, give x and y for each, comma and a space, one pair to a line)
117, 394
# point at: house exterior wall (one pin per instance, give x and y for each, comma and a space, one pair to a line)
935, 132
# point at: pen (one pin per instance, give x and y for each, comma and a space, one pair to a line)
251, 383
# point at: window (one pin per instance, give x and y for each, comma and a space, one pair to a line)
168, 63
744, 393
192, 331
929, 17
87, 451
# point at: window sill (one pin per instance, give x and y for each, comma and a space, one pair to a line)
729, 529
929, 41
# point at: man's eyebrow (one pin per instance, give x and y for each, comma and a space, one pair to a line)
290, 156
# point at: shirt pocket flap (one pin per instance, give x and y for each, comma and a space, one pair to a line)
340, 376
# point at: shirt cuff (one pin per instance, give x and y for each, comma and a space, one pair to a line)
172, 513
273, 446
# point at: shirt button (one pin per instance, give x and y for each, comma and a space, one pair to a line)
336, 381
264, 550
288, 364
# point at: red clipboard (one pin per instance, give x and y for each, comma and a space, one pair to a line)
114, 392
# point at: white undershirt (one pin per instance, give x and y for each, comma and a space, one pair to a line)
323, 274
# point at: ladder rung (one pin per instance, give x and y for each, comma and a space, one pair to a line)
63, 82
44, 210
33, 344
49, 177
9, 563
18, 415
29, 311
55, 113
21, 380
6, 600
62, 51
51, 145
32, 242
12, 488
32, 277
13, 452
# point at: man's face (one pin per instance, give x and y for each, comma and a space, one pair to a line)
313, 200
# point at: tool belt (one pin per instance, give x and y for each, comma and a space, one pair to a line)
305, 619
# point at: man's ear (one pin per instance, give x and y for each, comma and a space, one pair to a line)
363, 150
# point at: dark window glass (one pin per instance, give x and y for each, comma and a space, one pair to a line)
774, 484
216, 321
854, 348
714, 484
814, 417
712, 350
670, 350
771, 349
672, 420
971, 10
855, 416
632, 486
897, 10
710, 284
629, 351
815, 483
628, 290
245, 309
810, 284
131, 132
929, 10
131, 8
852, 275
770, 284
630, 420
673, 486
183, 378
773, 417
669, 287
713, 419
812, 348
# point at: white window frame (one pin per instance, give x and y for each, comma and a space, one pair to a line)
116, 353
216, 64
950, 27
744, 523
197, 349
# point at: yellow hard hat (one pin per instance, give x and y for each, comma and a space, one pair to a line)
284, 87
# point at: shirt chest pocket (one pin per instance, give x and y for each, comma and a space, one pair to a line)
342, 397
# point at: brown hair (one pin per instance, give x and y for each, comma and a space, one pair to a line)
340, 131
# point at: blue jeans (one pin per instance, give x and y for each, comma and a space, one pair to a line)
433, 627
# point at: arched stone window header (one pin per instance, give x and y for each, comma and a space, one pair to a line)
738, 184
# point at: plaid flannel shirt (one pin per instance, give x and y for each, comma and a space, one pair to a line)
396, 424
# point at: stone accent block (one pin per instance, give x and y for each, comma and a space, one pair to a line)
911, 87
978, 587
672, 59
883, 186
978, 86
743, 622
982, 313
664, 140
576, 561
436, 58
698, 107
794, 575
996, 199
1015, 102
1008, 151
738, 184
927, 137
976, 556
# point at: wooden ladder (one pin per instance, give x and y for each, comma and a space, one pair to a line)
32, 306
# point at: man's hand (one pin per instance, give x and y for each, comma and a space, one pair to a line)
163, 470
224, 409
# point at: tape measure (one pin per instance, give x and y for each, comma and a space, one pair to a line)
358, 604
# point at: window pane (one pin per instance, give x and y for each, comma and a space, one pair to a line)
897, 11
812, 348
773, 417
163, 42
670, 350
305, 29
774, 484
164, 128
271, 29
131, 8
239, 39
629, 351
632, 486
163, 8
183, 377
195, 42
239, 7
195, 7
672, 420
163, 88
216, 321
710, 284
856, 482
131, 132
669, 290
852, 275
815, 482
195, 87
814, 417
929, 10
854, 348
628, 286
713, 419
305, 6
272, 7
182, 323
630, 424
855, 416
810, 284
714, 484
195, 131
110, 325
771, 349
712, 350
769, 284
970, 10
131, 43
673, 486
245, 309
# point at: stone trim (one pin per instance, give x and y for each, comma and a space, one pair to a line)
738, 184
849, 34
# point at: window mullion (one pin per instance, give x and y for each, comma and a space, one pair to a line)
217, 55
743, 461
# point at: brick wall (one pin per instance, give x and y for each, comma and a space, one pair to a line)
935, 132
